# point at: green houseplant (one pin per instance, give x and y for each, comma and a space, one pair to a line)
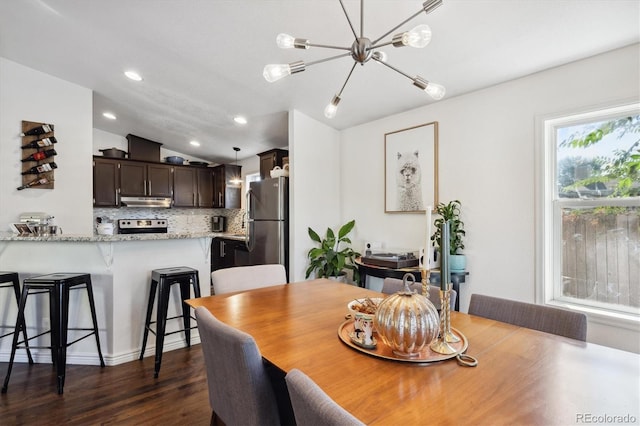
451, 212
329, 260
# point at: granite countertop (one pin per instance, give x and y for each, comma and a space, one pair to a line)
8, 236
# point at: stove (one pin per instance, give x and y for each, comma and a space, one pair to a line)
142, 226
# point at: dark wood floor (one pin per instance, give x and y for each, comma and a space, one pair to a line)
126, 394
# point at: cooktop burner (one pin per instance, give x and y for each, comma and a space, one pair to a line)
143, 226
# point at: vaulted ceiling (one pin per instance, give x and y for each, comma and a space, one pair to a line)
202, 60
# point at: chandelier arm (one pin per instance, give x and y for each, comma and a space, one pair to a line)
326, 46
380, 45
361, 18
348, 77
398, 26
327, 59
392, 67
348, 20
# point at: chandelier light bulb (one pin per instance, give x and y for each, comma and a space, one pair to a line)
274, 72
380, 56
285, 41
436, 91
331, 109
418, 37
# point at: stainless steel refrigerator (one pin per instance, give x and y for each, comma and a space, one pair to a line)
268, 221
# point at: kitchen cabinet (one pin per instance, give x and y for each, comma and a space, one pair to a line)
138, 179
192, 187
270, 159
106, 183
226, 253
226, 195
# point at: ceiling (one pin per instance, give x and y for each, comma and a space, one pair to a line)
202, 60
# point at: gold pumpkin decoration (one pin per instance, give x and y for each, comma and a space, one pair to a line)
407, 321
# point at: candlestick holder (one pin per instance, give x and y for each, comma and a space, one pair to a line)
442, 343
426, 278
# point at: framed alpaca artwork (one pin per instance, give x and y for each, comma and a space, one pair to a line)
411, 169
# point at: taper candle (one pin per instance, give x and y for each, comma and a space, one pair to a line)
444, 255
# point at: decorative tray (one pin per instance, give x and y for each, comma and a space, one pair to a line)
383, 351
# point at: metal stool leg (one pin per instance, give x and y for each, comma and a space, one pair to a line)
14, 345
164, 289
94, 318
16, 289
147, 322
185, 292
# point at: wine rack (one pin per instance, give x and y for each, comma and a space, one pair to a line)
49, 175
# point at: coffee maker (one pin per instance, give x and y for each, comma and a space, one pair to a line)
218, 223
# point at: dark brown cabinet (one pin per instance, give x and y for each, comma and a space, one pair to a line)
226, 194
205, 187
192, 187
226, 253
185, 187
106, 183
270, 159
145, 179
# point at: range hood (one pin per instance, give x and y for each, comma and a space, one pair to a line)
157, 202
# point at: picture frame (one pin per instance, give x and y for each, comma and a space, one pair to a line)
411, 169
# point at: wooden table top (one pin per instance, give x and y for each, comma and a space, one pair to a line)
523, 376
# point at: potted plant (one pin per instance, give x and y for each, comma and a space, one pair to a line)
329, 260
451, 212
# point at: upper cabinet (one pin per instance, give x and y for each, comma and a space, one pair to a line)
188, 186
270, 159
192, 187
139, 179
227, 186
106, 183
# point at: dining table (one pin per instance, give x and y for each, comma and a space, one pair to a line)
523, 376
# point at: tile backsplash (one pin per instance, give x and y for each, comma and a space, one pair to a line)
179, 220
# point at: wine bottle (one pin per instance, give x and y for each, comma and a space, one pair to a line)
40, 155
45, 128
40, 143
42, 168
37, 182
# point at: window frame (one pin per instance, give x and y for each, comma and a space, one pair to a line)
549, 207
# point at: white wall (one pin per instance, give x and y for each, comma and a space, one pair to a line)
486, 160
34, 96
315, 182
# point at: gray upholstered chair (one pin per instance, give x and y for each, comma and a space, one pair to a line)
537, 317
393, 285
241, 278
313, 407
240, 391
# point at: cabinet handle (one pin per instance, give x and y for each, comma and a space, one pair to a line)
149, 187
194, 198
219, 198
222, 253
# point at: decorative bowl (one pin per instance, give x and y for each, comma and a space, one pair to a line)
365, 301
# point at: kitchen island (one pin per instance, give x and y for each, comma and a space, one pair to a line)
120, 268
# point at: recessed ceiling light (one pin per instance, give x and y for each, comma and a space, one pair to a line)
133, 75
195, 143
240, 119
109, 115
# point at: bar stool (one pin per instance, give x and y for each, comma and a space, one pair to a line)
57, 286
161, 281
8, 280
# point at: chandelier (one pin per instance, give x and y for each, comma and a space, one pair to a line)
361, 51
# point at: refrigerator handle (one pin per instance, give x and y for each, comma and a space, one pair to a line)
249, 232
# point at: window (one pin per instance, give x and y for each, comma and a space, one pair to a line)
591, 211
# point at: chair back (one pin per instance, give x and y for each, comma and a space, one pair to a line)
242, 278
394, 285
537, 317
312, 406
240, 391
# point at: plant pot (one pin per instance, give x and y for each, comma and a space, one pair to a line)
342, 278
457, 262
